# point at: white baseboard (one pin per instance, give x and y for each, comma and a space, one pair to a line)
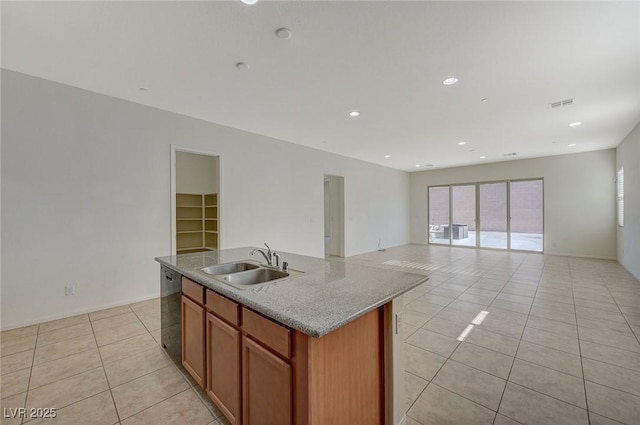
630, 272
66, 314
591, 257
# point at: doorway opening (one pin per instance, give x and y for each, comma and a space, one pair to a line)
333, 216
195, 201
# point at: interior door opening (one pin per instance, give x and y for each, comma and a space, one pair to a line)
333, 216
195, 201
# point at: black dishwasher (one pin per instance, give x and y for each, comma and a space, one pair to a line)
171, 313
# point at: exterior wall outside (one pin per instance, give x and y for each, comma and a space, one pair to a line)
527, 217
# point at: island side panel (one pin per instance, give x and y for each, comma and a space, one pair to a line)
346, 373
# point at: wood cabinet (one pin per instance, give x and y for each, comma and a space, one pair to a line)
266, 386
223, 367
340, 376
259, 372
224, 345
193, 339
196, 222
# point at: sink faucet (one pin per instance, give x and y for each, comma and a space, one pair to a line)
267, 255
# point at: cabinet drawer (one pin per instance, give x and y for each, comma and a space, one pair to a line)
193, 290
223, 307
273, 335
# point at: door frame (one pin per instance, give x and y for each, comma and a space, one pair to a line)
477, 214
174, 150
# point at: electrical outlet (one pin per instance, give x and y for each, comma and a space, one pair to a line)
69, 290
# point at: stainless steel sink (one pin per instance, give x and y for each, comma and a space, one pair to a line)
244, 274
253, 277
229, 268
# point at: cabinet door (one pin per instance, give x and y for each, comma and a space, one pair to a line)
266, 386
223, 367
193, 347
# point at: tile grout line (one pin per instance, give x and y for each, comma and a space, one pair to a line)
518, 347
620, 310
584, 381
440, 368
597, 383
26, 396
68, 377
454, 350
190, 387
113, 400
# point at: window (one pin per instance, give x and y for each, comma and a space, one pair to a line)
621, 197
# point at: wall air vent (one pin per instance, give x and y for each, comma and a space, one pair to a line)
510, 154
561, 103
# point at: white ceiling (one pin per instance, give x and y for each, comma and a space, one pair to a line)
386, 59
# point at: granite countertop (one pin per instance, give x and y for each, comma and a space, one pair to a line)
328, 295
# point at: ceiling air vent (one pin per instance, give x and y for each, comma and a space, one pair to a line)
561, 103
510, 154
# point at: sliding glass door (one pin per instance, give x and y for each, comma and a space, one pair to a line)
439, 214
463, 215
498, 215
493, 215
525, 199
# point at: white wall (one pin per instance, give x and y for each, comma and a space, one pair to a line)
86, 197
579, 198
628, 156
196, 173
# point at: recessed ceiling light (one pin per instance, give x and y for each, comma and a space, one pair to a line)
283, 33
483, 157
462, 143
418, 165
484, 99
572, 145
449, 81
354, 114
242, 66
249, 1
575, 124
387, 156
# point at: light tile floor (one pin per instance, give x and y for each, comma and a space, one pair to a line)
558, 346
102, 368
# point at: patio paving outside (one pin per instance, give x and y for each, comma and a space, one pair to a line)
521, 241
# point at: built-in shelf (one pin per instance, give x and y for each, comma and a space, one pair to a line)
196, 222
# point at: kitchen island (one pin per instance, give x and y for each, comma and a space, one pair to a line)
318, 347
